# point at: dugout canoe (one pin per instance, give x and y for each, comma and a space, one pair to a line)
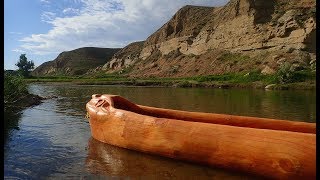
270, 148
108, 160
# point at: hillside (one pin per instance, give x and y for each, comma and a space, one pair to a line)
241, 36
125, 57
75, 62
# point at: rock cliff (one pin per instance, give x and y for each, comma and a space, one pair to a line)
124, 58
241, 25
242, 35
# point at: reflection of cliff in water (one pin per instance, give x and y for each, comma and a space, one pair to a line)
108, 160
11, 122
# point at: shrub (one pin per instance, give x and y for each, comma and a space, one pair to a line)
174, 69
14, 89
286, 75
313, 66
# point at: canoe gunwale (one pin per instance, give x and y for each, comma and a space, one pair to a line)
267, 153
109, 103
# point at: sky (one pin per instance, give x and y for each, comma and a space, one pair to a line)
42, 29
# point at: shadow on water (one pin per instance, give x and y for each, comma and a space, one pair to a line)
29, 152
11, 123
47, 142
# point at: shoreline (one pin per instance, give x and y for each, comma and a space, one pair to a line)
28, 101
305, 85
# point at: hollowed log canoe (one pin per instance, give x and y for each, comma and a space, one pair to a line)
269, 148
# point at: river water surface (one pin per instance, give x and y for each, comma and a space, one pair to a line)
53, 140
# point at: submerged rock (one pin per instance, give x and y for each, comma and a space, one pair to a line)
270, 86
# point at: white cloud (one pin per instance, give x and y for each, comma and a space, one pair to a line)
101, 23
71, 11
45, 1
17, 33
18, 50
48, 16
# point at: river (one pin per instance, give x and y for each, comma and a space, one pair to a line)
53, 140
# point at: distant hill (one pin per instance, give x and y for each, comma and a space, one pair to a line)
75, 62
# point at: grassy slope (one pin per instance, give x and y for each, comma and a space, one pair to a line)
298, 80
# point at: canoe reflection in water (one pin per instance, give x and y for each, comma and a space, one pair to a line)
111, 161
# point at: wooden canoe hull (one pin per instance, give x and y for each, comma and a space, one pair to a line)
109, 160
266, 152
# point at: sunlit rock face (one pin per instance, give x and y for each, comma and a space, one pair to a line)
241, 25
124, 58
243, 35
250, 27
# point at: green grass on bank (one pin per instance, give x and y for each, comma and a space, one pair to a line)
14, 90
248, 79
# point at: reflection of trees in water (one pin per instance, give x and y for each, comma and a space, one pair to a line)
289, 105
11, 122
245, 102
108, 160
72, 99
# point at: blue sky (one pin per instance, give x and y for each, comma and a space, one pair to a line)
42, 29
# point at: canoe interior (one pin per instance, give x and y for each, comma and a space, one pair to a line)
238, 143
119, 102
264, 147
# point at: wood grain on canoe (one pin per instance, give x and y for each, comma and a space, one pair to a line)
280, 154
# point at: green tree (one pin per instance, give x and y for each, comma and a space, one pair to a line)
24, 65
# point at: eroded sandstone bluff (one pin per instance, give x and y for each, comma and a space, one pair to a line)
242, 36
